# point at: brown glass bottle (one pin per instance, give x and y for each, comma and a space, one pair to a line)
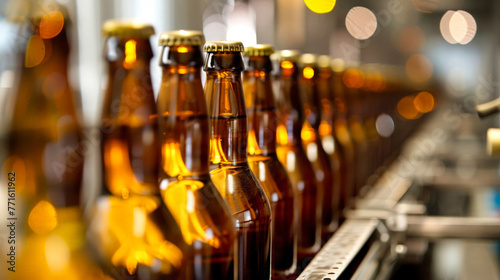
316, 85
228, 155
263, 159
341, 130
44, 164
132, 231
204, 218
293, 156
353, 80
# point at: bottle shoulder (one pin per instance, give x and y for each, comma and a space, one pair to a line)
243, 192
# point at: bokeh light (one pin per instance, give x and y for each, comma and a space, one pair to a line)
406, 108
419, 68
308, 72
410, 39
424, 102
458, 27
353, 78
425, 6
35, 51
361, 23
51, 24
384, 125
320, 6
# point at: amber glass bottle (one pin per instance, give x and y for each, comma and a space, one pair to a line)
331, 144
132, 231
264, 162
231, 173
353, 80
204, 218
293, 156
44, 165
341, 130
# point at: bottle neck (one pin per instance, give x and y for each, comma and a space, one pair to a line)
183, 120
312, 101
129, 122
129, 93
290, 112
259, 100
226, 106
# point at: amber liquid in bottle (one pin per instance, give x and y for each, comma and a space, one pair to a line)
341, 130
292, 155
353, 80
312, 142
44, 164
264, 163
332, 147
231, 174
133, 233
205, 219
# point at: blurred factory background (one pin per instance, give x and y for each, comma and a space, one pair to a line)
397, 32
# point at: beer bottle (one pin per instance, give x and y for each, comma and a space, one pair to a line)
312, 142
44, 165
264, 162
293, 156
341, 130
353, 80
205, 219
231, 173
331, 143
132, 231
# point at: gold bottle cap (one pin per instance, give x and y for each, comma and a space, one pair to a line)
289, 55
127, 28
324, 61
308, 59
338, 65
259, 50
223, 46
181, 37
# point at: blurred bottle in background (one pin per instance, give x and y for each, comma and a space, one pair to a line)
231, 173
311, 140
132, 232
291, 153
263, 161
331, 145
341, 130
205, 220
44, 164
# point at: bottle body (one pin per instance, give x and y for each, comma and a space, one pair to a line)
133, 233
264, 163
231, 173
204, 218
44, 161
292, 155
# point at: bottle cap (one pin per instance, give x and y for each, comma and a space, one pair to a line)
181, 37
223, 46
324, 61
338, 65
289, 55
127, 28
259, 50
308, 59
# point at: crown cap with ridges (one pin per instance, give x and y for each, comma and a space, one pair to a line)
181, 38
127, 28
223, 46
259, 50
